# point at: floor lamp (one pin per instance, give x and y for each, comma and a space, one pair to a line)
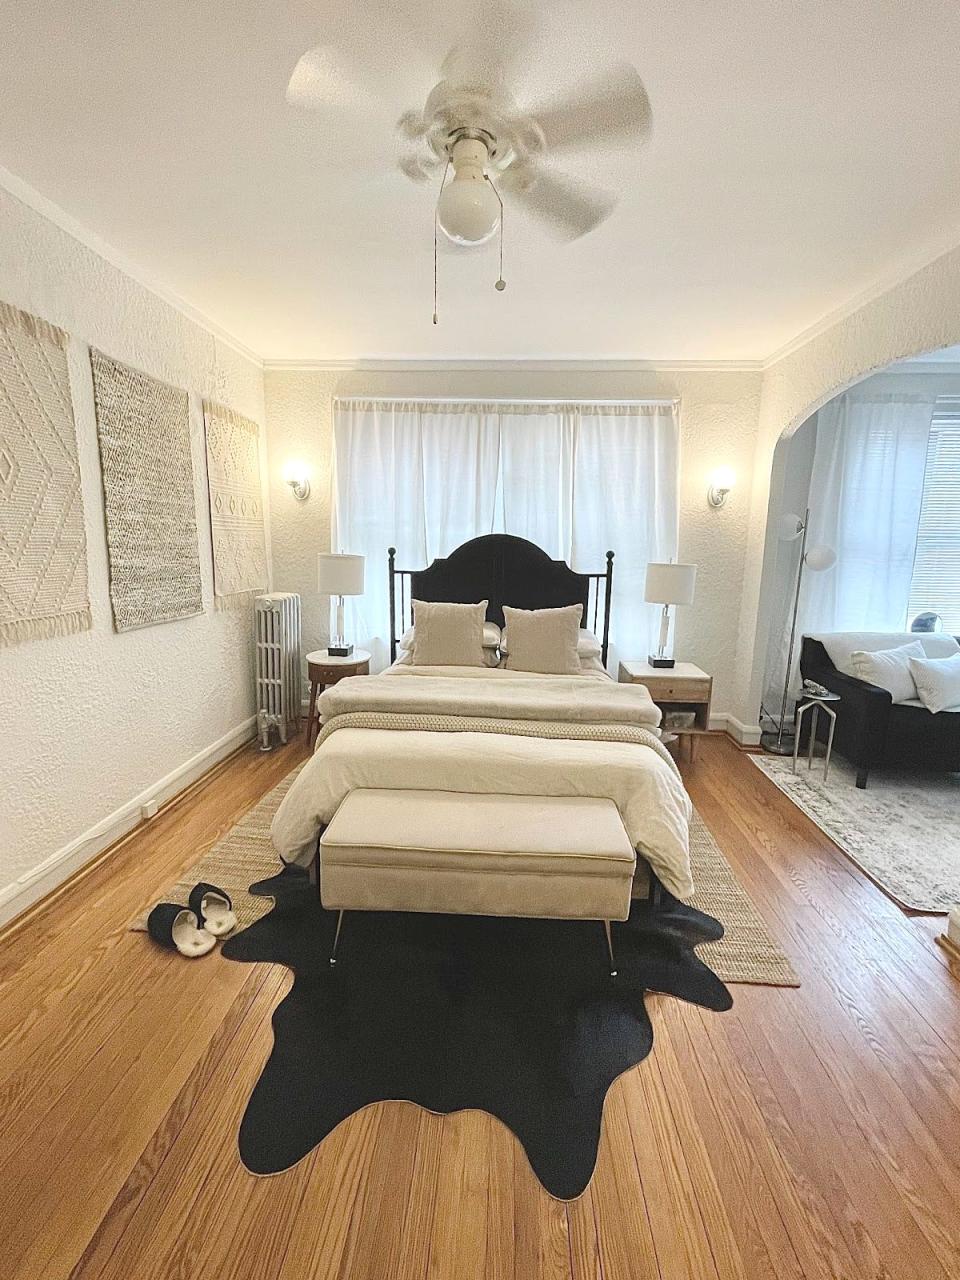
817, 559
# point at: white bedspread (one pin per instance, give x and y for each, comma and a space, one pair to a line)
639, 777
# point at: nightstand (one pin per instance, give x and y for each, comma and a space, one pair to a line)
324, 670
682, 688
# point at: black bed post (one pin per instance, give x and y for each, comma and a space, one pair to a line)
391, 557
606, 607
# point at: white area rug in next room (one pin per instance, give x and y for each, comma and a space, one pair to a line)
903, 830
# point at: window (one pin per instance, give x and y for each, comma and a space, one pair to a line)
936, 571
575, 478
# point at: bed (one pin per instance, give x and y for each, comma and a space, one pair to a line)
479, 731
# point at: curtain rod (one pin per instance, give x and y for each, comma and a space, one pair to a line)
454, 399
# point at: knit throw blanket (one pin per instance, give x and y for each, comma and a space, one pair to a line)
516, 728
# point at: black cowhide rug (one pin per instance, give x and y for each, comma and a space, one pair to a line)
515, 1017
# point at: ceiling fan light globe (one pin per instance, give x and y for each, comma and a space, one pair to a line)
468, 210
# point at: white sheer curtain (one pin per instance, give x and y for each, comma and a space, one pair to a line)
865, 496
584, 479
866, 488
576, 479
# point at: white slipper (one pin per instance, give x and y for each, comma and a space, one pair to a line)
213, 909
177, 929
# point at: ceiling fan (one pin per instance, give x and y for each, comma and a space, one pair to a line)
471, 123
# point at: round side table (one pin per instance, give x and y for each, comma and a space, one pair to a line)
818, 703
323, 670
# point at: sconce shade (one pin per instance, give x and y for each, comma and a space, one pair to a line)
339, 574
670, 583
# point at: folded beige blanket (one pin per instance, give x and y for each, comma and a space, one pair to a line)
565, 698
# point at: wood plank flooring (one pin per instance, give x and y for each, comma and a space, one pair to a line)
807, 1133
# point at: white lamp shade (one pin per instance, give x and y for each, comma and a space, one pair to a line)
820, 558
339, 575
670, 583
790, 527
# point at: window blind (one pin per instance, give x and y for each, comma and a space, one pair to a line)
936, 572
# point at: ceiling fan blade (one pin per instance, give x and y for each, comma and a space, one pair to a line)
500, 39
323, 80
570, 208
612, 107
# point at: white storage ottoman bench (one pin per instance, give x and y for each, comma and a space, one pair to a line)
457, 852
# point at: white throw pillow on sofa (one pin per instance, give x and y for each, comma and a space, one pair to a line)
841, 644
938, 682
889, 669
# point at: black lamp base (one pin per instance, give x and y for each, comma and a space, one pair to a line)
654, 661
339, 650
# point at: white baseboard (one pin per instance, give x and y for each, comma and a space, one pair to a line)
748, 735
42, 879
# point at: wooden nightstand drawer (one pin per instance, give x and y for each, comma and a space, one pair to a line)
663, 689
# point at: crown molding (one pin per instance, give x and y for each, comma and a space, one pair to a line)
863, 299
46, 208
33, 199
399, 364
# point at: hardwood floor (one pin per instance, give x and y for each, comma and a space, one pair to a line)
807, 1133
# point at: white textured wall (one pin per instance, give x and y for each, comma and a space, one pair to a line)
919, 315
718, 426
299, 416
91, 721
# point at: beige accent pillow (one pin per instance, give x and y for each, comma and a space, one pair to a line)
491, 637
491, 657
588, 646
448, 635
544, 640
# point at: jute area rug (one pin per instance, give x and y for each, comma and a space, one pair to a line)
903, 830
746, 953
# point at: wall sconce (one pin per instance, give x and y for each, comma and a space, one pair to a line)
721, 482
298, 478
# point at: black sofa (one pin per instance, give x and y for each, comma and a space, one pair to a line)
871, 730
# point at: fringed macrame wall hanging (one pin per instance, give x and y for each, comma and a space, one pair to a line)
43, 552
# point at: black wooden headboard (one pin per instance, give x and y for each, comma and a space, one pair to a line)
503, 570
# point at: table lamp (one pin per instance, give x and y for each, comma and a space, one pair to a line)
668, 584
339, 575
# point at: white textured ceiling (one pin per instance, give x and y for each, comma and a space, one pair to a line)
803, 151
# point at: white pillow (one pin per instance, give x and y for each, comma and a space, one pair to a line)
544, 640
491, 638
938, 682
889, 669
841, 644
588, 646
448, 635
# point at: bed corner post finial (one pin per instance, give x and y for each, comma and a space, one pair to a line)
606, 607
391, 558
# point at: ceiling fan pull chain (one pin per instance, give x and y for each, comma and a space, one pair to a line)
501, 283
436, 220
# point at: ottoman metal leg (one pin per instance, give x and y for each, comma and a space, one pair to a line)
336, 939
613, 963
